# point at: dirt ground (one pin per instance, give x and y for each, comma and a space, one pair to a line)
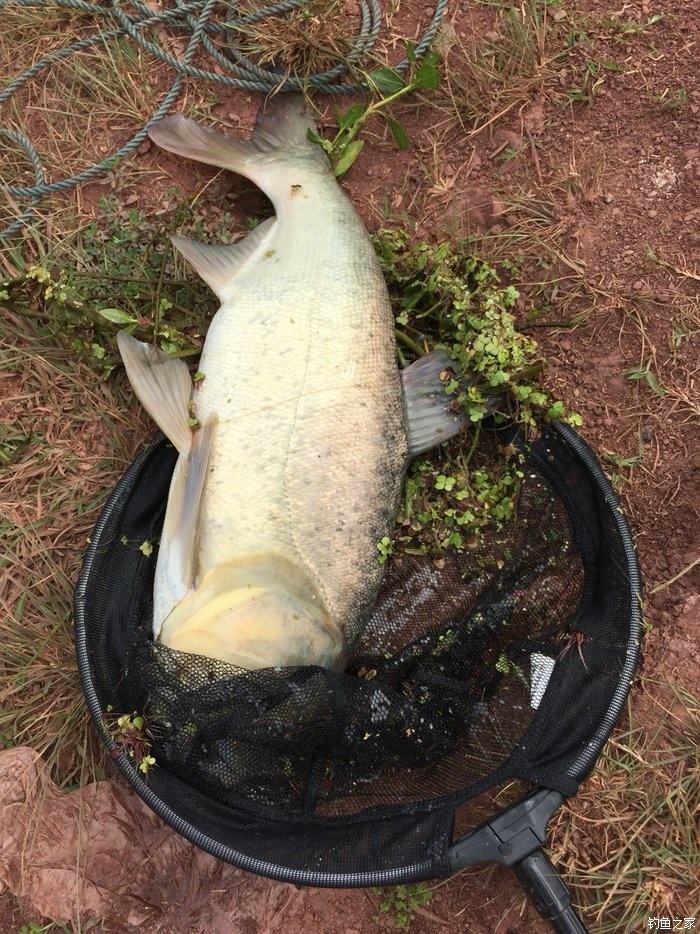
604, 163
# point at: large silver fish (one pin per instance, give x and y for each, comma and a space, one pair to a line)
268, 555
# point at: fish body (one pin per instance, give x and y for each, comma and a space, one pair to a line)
268, 554
309, 446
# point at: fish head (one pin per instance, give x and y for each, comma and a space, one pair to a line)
259, 612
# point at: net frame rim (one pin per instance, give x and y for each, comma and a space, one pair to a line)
405, 874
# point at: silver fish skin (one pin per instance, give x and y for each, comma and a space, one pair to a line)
269, 550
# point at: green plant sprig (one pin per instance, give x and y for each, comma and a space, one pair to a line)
444, 296
344, 148
402, 901
130, 733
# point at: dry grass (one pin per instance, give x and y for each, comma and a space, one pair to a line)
66, 437
75, 113
310, 39
77, 110
629, 840
505, 63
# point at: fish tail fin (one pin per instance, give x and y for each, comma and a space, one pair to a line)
283, 122
282, 127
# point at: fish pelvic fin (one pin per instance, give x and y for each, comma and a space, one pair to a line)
163, 385
281, 129
218, 265
429, 417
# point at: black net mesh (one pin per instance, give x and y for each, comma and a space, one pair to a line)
500, 662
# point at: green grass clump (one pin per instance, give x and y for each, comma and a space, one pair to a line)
446, 297
118, 271
402, 902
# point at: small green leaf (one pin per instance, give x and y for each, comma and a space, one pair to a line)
312, 137
116, 316
146, 763
397, 131
386, 80
146, 548
348, 157
427, 74
350, 117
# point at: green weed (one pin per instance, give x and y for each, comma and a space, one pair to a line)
130, 733
402, 901
593, 75
117, 272
386, 548
624, 28
672, 98
387, 86
645, 374
623, 465
445, 297
32, 928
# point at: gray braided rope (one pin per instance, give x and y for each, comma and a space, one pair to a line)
193, 18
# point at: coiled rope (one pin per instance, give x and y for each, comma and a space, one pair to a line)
199, 20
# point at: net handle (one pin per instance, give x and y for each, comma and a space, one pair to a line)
548, 893
514, 838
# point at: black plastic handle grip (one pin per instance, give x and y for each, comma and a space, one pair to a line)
540, 880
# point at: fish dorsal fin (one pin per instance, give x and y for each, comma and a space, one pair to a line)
429, 416
163, 386
178, 543
218, 265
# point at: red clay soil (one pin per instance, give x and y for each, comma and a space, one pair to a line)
620, 178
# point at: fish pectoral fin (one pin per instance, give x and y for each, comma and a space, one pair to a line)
218, 265
179, 537
163, 385
429, 416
